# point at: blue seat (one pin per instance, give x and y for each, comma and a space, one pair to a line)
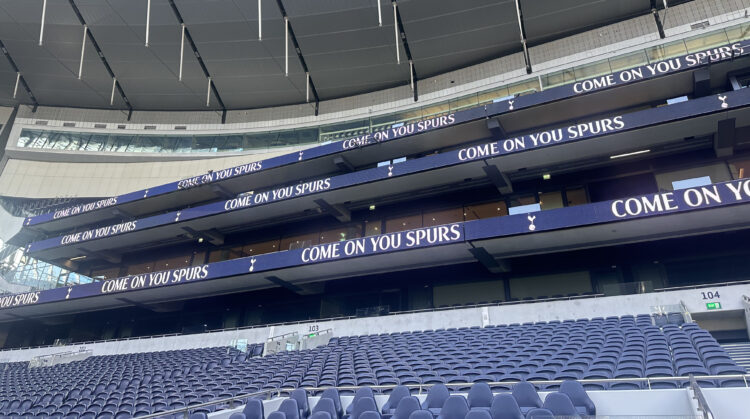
504, 406
421, 414
364, 404
362, 392
370, 414
455, 407
199, 415
276, 415
253, 410
300, 395
290, 408
398, 393
526, 396
316, 415
326, 405
436, 397
540, 414
577, 394
560, 405
480, 396
478, 414
333, 394
406, 407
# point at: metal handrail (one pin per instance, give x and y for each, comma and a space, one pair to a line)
279, 391
698, 395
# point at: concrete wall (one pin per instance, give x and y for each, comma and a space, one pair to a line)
52, 179
731, 299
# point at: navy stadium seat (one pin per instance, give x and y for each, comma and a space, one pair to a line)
504, 406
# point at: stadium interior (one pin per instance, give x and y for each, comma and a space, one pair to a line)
372, 209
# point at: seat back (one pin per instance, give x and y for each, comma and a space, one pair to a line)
333, 394
300, 395
540, 414
364, 404
253, 409
455, 407
436, 397
290, 408
577, 394
525, 395
395, 397
480, 395
560, 405
406, 407
325, 405
504, 406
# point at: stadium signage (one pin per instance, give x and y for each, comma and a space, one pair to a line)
571, 133
549, 95
383, 243
651, 205
679, 200
660, 68
213, 176
402, 131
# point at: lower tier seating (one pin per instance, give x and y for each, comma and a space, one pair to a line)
571, 401
624, 347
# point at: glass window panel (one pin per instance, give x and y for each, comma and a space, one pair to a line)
218, 255
106, 273
373, 227
436, 110
717, 172
268, 246
140, 268
488, 97
299, 241
463, 103
172, 263
96, 142
59, 140
523, 200
149, 144
261, 140
199, 258
203, 144
524, 87
118, 143
183, 145
168, 144
446, 216
664, 51
592, 70
340, 234
576, 196
739, 32
550, 200
286, 138
558, 78
486, 210
626, 61
740, 169
344, 130
403, 223
232, 143
706, 41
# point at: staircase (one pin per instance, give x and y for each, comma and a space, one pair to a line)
740, 353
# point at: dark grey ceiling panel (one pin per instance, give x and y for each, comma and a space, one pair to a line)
345, 49
547, 19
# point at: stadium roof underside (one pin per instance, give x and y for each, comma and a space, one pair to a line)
341, 43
